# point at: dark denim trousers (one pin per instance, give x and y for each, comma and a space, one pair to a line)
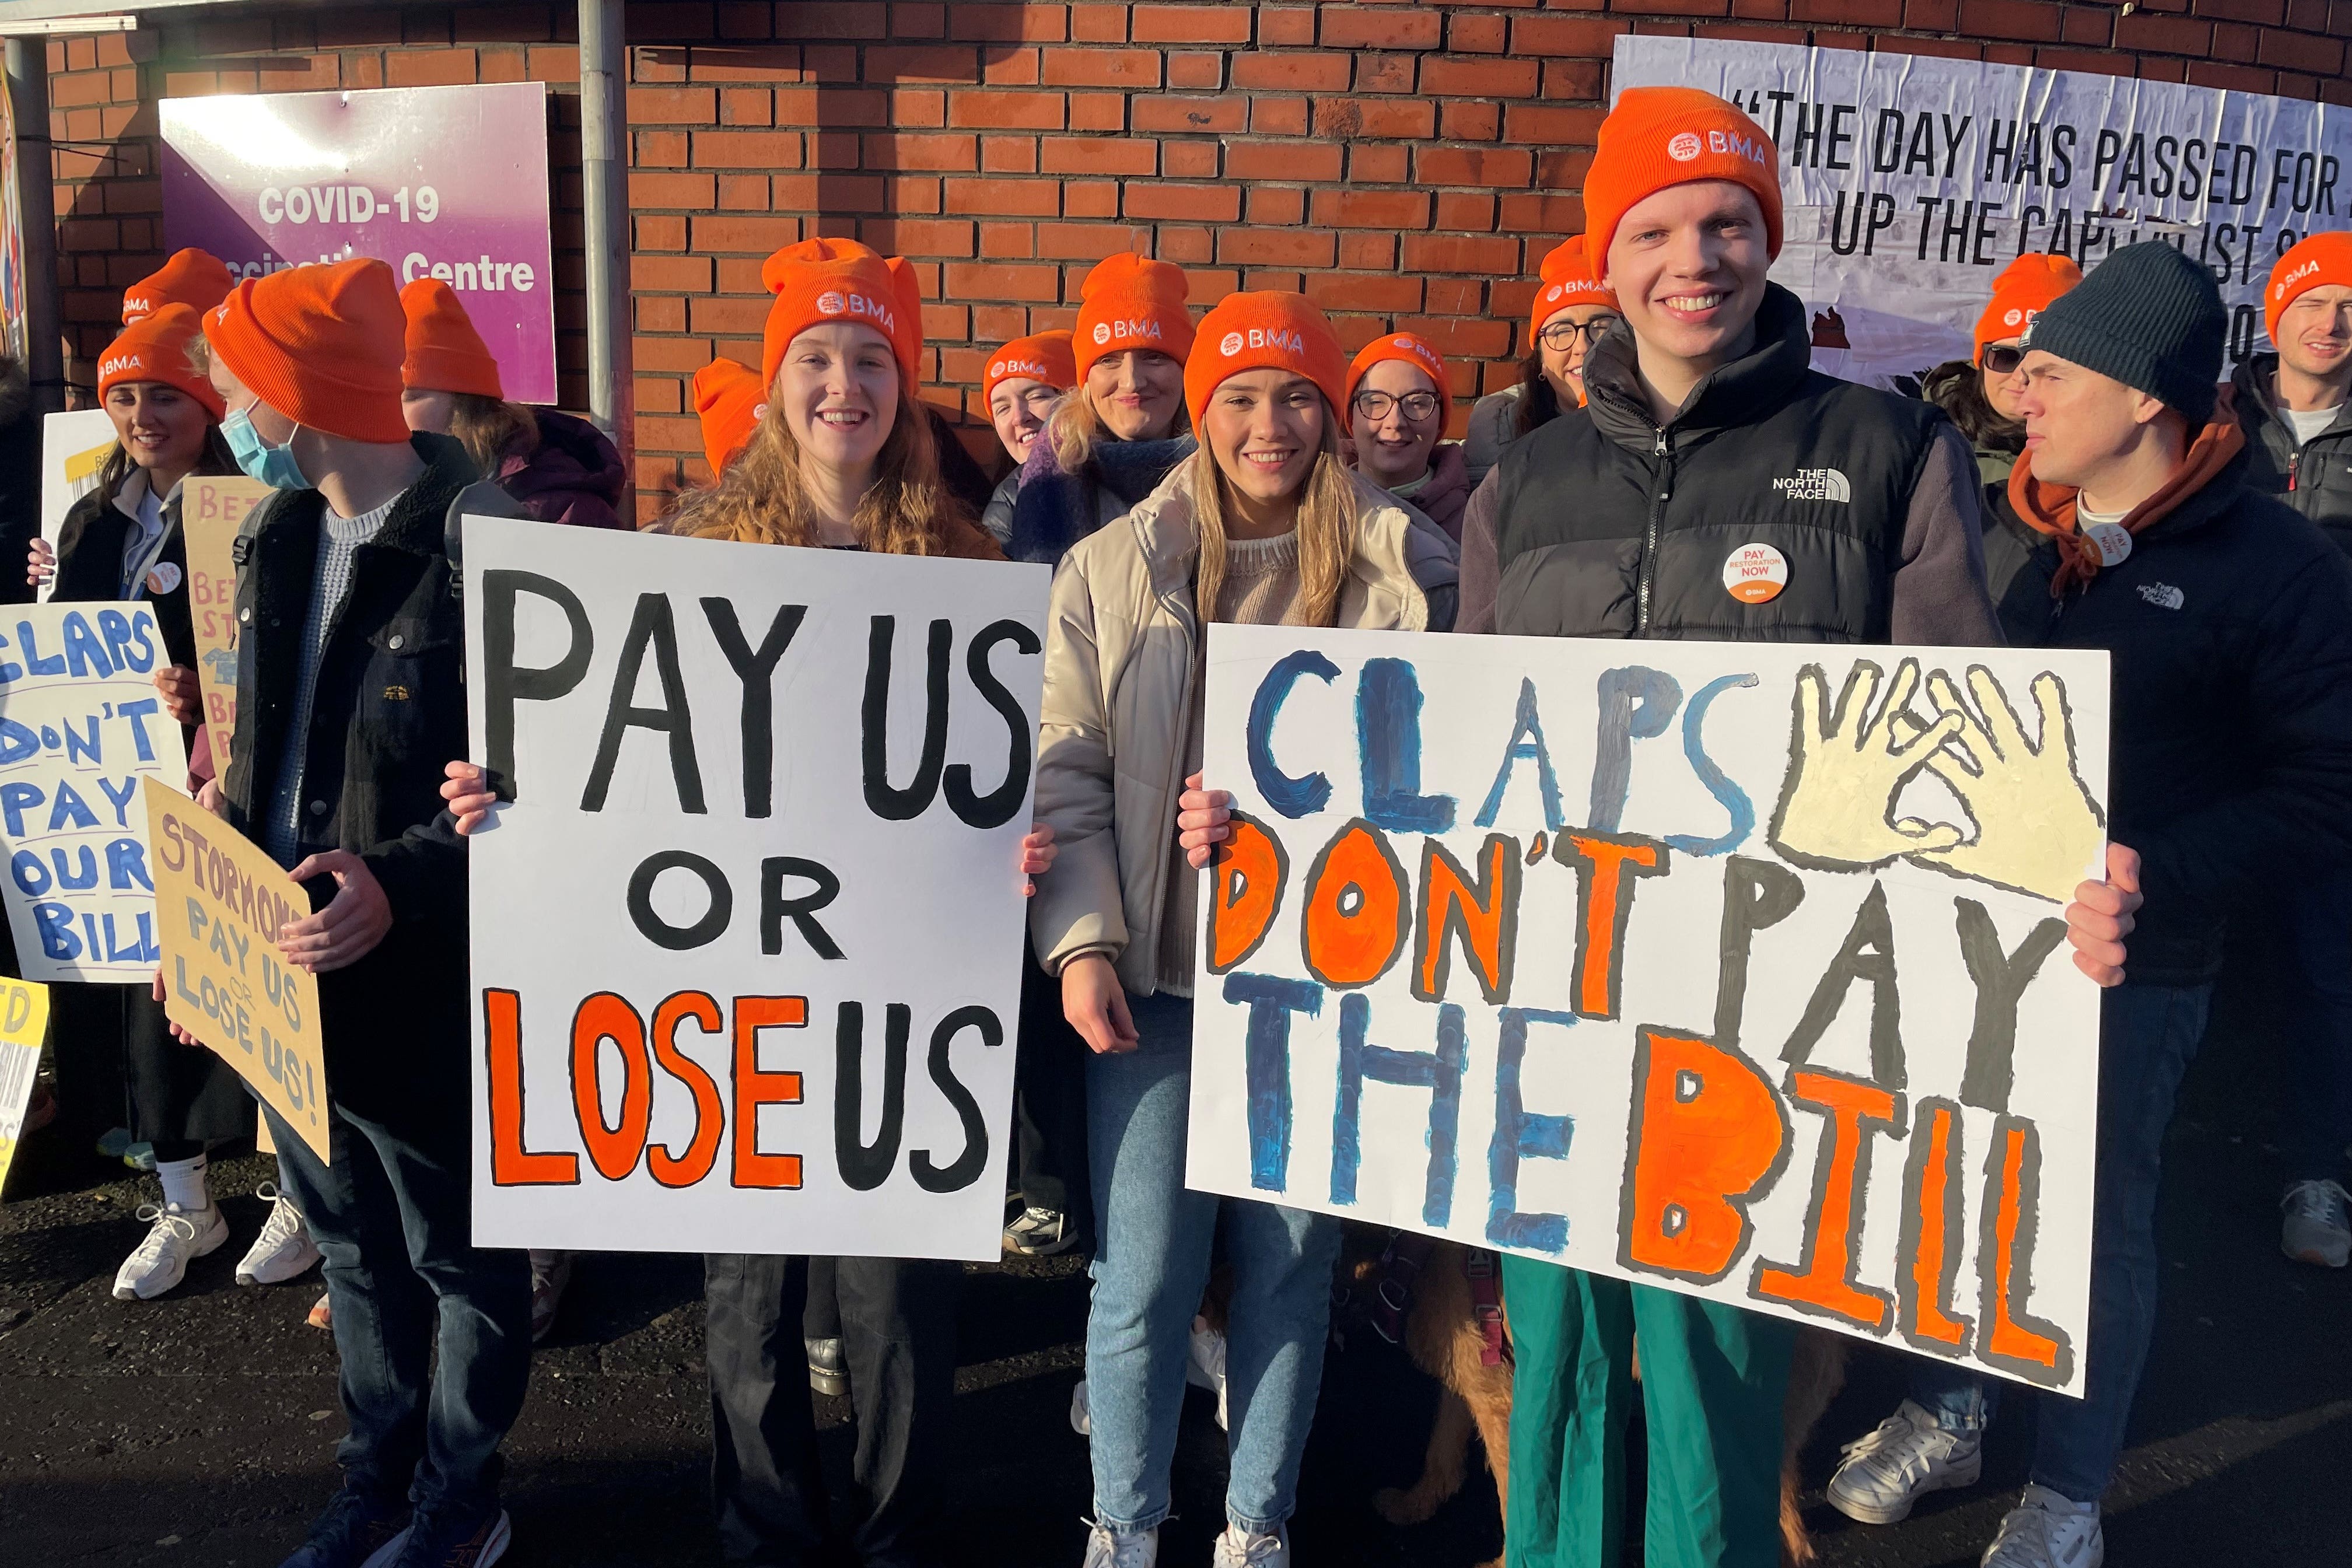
899, 1334
391, 1214
2146, 1036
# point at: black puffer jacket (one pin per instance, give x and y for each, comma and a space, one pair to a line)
90, 543
389, 712
2314, 479
2231, 713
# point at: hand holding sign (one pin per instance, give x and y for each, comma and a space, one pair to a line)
1837, 806
2037, 827
355, 920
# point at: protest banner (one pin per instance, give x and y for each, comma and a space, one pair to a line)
212, 510
81, 724
74, 449
437, 182
747, 942
220, 902
1910, 181
1778, 1011
24, 1020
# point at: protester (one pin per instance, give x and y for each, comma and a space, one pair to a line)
1113, 441
1980, 396
1572, 309
197, 278
1398, 395
2296, 408
1621, 523
1026, 379
558, 469
730, 402
841, 459
1263, 525
352, 690
2231, 623
122, 541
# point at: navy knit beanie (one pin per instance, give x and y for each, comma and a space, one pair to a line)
2148, 317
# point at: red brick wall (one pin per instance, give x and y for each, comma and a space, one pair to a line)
1406, 164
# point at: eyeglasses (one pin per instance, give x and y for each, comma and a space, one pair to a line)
1417, 406
1560, 336
2002, 359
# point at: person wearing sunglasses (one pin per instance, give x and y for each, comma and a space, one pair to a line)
1398, 395
1980, 395
1573, 310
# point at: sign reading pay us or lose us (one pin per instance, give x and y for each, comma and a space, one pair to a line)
212, 513
220, 902
81, 724
746, 943
1735, 969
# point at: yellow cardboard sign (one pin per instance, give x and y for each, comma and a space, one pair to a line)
24, 1020
212, 509
219, 904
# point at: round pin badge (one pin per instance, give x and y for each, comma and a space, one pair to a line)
1755, 573
2112, 540
163, 578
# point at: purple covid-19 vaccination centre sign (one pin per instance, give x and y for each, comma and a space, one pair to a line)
435, 182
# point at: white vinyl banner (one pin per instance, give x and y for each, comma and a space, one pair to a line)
1911, 181
1735, 969
747, 941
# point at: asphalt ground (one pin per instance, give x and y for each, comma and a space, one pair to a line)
199, 1429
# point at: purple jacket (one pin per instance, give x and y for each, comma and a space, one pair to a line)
576, 476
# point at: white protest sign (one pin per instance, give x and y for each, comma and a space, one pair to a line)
747, 944
74, 449
1910, 181
1707, 965
81, 724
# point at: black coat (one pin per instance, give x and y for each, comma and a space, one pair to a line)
2230, 761
389, 712
2316, 477
90, 567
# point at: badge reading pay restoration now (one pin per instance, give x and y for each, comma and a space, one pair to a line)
1755, 573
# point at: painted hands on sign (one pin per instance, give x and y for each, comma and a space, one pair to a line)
1203, 818
182, 700
1837, 807
355, 920
2037, 826
41, 562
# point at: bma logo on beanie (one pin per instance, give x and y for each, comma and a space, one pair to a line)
1123, 331
2279, 289
1685, 147
1004, 368
118, 365
1279, 338
833, 302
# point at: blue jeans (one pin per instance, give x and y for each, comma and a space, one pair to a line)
2146, 1036
1151, 1262
2318, 1055
392, 1214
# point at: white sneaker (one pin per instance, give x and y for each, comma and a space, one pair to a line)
1082, 1416
175, 1237
284, 1248
1109, 1548
1237, 1549
2046, 1530
1204, 1363
1908, 1456
2318, 1226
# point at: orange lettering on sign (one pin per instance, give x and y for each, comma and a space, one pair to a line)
710, 1113
614, 1150
512, 1165
1932, 1210
1354, 923
754, 1088
1246, 881
1824, 1282
1708, 1136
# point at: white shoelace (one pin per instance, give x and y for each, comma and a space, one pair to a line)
1246, 1549
163, 1225
1896, 1450
2029, 1538
1127, 1548
2325, 1202
284, 1219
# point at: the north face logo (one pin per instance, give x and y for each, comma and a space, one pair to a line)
2163, 595
1815, 484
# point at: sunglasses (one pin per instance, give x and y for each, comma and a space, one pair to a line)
2002, 359
1417, 406
1562, 335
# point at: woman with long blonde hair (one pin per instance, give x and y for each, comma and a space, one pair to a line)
1123, 427
1265, 524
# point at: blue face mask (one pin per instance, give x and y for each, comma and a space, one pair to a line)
272, 466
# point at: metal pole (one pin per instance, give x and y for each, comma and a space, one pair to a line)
37, 214
605, 188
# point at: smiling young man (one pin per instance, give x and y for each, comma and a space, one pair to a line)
2231, 623
2296, 407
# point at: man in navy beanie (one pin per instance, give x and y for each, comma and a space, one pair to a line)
2230, 617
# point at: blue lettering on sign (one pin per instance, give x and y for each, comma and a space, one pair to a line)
56, 922
1636, 703
1526, 745
1438, 1072
1271, 1000
85, 654
53, 664
1304, 795
1388, 744
1730, 796
1522, 1134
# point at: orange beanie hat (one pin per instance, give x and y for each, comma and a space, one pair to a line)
1406, 349
1040, 356
730, 400
155, 348
322, 345
822, 280
192, 277
1568, 278
1251, 331
2312, 262
1658, 137
445, 352
1131, 301
2022, 292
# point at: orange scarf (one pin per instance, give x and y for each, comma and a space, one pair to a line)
2050, 509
